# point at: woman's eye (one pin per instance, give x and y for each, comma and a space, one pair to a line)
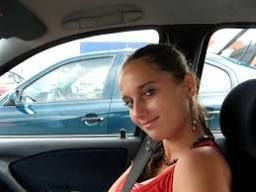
128, 104
149, 92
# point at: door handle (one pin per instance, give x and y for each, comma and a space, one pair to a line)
92, 120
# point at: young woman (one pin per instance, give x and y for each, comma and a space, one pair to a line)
161, 94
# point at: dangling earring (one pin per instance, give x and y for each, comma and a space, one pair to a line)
194, 125
193, 114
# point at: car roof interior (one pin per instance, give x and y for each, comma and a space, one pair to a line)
45, 26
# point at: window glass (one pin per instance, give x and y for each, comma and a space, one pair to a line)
229, 61
214, 80
117, 93
68, 89
83, 79
236, 44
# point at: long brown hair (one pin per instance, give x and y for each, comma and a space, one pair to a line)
169, 59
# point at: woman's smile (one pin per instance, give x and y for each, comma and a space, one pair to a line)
147, 124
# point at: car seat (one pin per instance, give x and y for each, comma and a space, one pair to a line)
238, 125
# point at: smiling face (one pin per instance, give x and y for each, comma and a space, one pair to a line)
157, 102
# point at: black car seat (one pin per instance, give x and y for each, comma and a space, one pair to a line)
238, 125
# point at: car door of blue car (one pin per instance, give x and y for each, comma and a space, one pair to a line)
70, 97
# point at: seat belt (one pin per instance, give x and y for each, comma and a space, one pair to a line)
139, 162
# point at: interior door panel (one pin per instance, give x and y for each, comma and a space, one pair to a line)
59, 164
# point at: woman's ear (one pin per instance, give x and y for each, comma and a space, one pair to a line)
190, 84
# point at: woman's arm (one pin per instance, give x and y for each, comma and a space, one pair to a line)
117, 183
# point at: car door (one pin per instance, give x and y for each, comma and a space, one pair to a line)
72, 97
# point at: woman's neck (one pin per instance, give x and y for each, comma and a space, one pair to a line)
175, 146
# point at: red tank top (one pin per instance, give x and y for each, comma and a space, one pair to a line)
164, 181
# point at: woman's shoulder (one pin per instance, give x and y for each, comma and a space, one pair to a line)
202, 166
203, 158
204, 155
118, 184
200, 157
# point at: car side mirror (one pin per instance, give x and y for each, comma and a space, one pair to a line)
13, 98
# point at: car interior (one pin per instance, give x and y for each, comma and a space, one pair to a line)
51, 149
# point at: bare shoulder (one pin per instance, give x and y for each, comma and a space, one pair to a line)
202, 169
115, 185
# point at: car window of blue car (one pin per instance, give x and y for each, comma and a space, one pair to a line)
230, 60
117, 95
82, 79
68, 89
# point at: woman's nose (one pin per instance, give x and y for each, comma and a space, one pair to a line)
139, 110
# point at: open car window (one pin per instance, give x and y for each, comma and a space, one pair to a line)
69, 88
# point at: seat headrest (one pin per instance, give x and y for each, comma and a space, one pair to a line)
238, 117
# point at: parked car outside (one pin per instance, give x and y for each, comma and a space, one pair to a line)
74, 96
80, 95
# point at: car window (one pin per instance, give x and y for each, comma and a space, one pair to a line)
214, 80
229, 61
117, 94
82, 79
68, 89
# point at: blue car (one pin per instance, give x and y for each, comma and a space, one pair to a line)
80, 95
75, 96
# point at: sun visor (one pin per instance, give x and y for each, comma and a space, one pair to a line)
102, 16
17, 21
